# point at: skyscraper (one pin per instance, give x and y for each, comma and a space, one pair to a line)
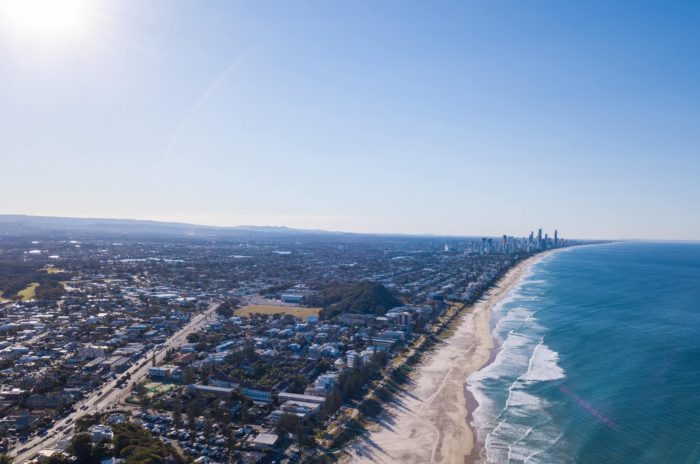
556, 238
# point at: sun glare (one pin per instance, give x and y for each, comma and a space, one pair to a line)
49, 19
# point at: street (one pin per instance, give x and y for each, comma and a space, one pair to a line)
108, 395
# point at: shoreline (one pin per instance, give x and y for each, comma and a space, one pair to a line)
431, 420
475, 456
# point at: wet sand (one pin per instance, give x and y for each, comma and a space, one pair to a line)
428, 422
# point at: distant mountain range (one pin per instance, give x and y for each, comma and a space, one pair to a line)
11, 224
25, 225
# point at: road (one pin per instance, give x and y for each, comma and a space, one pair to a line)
108, 395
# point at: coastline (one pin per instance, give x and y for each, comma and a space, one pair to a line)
430, 421
502, 291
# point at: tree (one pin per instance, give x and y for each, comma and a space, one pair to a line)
225, 310
188, 376
244, 412
332, 403
298, 383
139, 389
85, 422
81, 447
237, 395
142, 393
205, 373
100, 451
177, 413
5, 459
136, 445
288, 423
208, 427
58, 458
219, 413
249, 351
192, 414
379, 360
230, 440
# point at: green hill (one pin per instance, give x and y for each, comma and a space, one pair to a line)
360, 297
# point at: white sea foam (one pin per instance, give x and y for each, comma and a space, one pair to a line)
519, 318
522, 401
508, 361
543, 365
511, 420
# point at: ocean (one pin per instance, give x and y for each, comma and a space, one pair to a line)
598, 359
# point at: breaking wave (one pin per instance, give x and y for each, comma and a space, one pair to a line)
512, 420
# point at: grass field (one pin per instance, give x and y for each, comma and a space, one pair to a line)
49, 269
301, 313
157, 388
28, 293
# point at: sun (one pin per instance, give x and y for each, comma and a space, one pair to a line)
48, 19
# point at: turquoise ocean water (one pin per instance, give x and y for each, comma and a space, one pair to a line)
599, 360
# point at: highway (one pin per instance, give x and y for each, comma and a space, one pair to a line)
108, 395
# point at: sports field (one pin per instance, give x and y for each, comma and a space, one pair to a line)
301, 313
28, 293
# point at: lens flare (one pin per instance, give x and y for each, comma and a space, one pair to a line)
48, 19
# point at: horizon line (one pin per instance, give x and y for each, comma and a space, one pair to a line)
327, 231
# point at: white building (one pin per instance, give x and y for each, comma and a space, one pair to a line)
265, 441
351, 358
326, 381
100, 433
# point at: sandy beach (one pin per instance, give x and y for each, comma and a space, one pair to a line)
429, 421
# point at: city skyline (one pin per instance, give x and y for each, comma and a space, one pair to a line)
462, 119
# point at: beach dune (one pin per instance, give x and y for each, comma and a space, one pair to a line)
428, 422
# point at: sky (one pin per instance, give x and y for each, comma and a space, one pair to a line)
459, 118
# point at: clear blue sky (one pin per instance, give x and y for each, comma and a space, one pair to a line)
428, 117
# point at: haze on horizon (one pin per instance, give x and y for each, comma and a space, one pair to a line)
458, 118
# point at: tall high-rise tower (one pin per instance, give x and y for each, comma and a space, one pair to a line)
556, 238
